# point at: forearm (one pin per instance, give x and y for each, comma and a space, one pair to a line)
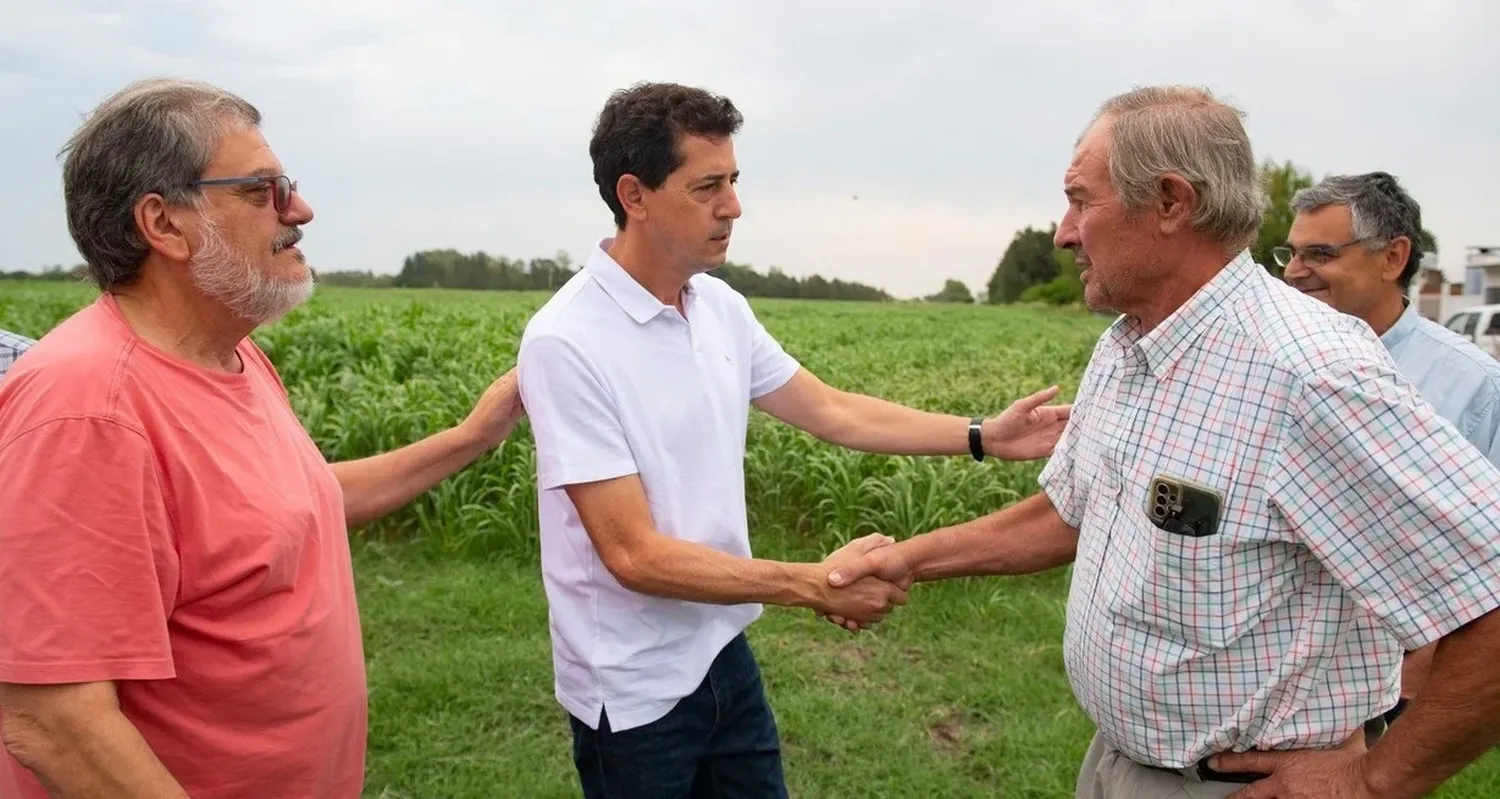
668, 567
90, 759
375, 486
871, 424
1024, 538
1453, 720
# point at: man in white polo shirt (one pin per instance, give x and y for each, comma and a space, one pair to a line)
638, 377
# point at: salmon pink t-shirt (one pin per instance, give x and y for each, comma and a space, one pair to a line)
175, 530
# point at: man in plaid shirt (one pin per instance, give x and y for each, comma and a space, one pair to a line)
11, 347
1351, 521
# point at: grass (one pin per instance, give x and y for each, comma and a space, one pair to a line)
962, 693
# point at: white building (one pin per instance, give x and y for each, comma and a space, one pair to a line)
1439, 300
1482, 273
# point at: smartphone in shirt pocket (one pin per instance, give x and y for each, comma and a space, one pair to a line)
1183, 507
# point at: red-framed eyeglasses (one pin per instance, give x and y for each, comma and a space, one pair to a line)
282, 187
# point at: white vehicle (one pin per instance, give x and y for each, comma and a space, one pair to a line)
1479, 324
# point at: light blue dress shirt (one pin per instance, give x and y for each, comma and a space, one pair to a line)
1460, 380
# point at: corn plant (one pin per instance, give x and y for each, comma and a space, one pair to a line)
371, 370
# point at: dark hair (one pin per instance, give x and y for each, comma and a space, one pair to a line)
155, 135
639, 130
1380, 208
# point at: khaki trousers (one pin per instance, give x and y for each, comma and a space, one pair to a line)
1107, 774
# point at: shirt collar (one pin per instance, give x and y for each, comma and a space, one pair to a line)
630, 295
1406, 324
1165, 345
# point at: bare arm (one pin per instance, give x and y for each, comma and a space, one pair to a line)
1025, 431
375, 486
1026, 537
79, 745
1453, 720
618, 521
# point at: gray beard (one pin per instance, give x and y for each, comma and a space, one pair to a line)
229, 277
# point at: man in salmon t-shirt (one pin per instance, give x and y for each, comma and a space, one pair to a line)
177, 609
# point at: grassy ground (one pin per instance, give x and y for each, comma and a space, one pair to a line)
961, 694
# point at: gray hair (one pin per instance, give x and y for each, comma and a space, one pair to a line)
1186, 131
154, 135
1381, 209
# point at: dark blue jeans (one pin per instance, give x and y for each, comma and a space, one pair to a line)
719, 742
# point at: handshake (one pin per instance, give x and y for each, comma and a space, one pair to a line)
862, 582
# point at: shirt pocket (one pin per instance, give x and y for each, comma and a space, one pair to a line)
1202, 592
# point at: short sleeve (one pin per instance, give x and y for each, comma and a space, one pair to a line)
1057, 478
574, 418
1391, 500
770, 365
88, 567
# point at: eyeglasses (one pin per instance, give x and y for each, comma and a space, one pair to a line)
282, 186
1314, 255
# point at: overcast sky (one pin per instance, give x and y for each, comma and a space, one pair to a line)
466, 123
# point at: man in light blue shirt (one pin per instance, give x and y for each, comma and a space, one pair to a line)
1353, 245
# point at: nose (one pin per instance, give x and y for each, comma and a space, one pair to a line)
1066, 236
730, 209
299, 212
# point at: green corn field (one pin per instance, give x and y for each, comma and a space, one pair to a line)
371, 370
962, 693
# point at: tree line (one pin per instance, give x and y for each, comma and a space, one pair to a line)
1030, 270
449, 268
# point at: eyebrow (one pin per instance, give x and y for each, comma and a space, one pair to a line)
709, 180
266, 172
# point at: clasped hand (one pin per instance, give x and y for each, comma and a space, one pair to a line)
864, 583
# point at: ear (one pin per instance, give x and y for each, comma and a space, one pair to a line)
1175, 203
159, 227
1396, 254
632, 195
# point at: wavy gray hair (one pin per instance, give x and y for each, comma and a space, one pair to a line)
155, 135
1186, 131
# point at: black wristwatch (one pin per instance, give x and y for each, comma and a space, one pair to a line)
976, 437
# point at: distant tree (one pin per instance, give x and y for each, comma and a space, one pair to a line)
777, 283
1028, 261
1065, 289
953, 291
1279, 182
1426, 241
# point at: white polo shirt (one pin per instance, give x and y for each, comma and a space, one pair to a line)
616, 382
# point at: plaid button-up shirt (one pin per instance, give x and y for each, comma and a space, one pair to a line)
1355, 521
11, 347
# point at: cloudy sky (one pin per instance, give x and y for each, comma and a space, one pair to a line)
893, 143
